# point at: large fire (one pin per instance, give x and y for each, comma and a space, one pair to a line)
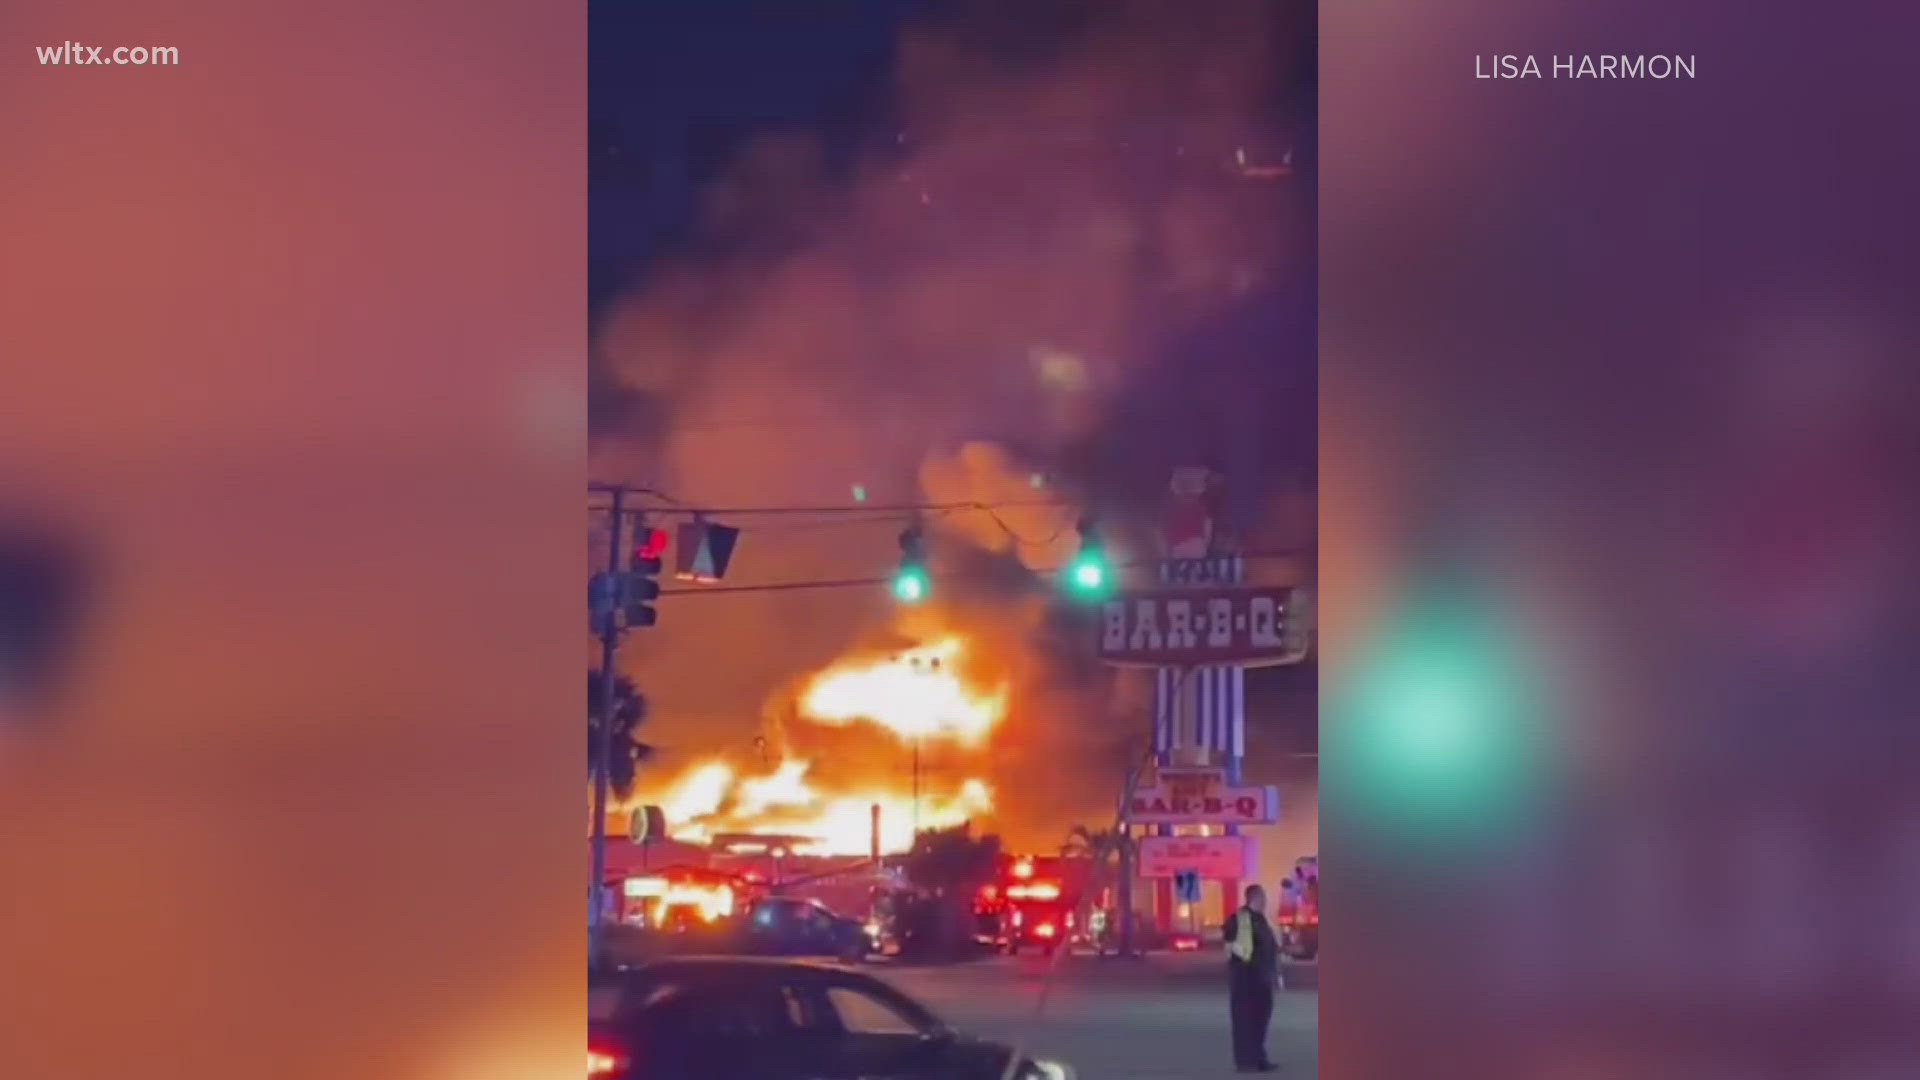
917, 695
922, 694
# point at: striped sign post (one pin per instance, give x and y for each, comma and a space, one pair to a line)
1200, 714
1199, 628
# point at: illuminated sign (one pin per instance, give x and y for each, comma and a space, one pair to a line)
1205, 801
1251, 627
1214, 858
1192, 783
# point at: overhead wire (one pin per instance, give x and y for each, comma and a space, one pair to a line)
680, 507
841, 583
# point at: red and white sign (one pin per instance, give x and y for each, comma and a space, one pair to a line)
1250, 627
1201, 798
1188, 532
1191, 781
1214, 858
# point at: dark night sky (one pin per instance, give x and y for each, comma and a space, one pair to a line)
683, 92
690, 81
679, 87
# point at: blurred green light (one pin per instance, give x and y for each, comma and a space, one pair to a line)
1087, 574
911, 586
1437, 728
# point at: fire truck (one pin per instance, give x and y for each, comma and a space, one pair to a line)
1299, 910
1032, 903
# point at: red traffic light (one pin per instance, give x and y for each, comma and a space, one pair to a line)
650, 544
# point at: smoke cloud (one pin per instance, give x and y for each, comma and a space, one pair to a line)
1051, 277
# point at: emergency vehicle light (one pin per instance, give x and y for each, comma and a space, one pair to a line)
603, 1064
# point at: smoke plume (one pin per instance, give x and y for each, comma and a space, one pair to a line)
1051, 277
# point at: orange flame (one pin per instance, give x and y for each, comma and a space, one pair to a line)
785, 802
919, 694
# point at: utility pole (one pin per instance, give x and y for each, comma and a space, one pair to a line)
609, 645
1123, 837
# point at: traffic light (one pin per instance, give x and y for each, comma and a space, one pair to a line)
912, 583
1088, 574
640, 586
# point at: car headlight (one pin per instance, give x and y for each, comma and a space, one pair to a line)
1048, 1070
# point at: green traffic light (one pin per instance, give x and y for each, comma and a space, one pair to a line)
910, 586
1089, 575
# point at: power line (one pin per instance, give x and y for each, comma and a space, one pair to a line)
683, 509
782, 586
1021, 540
843, 583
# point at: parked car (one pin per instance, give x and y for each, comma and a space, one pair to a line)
793, 926
752, 1018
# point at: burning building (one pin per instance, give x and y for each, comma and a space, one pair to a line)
898, 743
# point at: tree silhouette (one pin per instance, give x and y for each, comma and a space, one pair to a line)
947, 865
1112, 853
1098, 845
630, 710
952, 860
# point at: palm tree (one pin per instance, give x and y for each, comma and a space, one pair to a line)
629, 711
952, 860
1098, 845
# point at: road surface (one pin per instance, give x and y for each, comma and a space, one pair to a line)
1160, 1018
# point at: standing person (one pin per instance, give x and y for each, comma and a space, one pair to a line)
1253, 970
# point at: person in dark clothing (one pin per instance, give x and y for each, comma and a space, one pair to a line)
1253, 971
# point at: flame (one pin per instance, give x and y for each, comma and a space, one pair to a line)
786, 786
919, 694
699, 793
711, 902
708, 799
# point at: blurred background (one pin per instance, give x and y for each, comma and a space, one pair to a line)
1617, 445
294, 368
1616, 397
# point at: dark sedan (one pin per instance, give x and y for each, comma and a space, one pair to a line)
794, 926
742, 1018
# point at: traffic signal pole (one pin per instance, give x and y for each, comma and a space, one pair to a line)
602, 770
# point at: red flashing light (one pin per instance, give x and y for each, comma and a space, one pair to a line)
601, 1063
1023, 870
1044, 930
